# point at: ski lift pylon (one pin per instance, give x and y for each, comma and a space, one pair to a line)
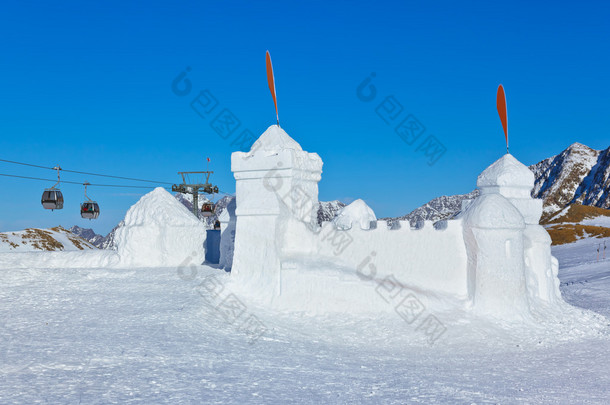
202, 184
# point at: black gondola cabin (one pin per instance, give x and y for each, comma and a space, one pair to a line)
52, 199
89, 210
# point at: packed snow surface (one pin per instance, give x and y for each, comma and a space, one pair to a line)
163, 335
59, 260
355, 213
598, 221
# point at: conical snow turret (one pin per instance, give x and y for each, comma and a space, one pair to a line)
515, 181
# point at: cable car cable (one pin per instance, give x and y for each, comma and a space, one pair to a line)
87, 173
77, 182
91, 174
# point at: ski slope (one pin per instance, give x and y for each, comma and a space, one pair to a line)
163, 335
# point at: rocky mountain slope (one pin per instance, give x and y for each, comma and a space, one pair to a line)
437, 209
99, 241
88, 234
578, 175
327, 210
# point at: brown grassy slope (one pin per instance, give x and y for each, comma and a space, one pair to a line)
76, 240
567, 228
577, 213
44, 239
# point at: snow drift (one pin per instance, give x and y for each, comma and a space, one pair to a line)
355, 213
160, 231
98, 258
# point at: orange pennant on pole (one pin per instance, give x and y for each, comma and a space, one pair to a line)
271, 81
501, 105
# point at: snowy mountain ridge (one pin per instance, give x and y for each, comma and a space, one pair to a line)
437, 209
327, 210
88, 234
97, 240
577, 175
47, 240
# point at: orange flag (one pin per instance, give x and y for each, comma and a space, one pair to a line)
271, 81
501, 105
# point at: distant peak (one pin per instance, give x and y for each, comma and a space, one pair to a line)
579, 146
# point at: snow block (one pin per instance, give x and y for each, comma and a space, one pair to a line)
276, 181
227, 239
355, 213
159, 231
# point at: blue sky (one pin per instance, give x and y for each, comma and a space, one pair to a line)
88, 86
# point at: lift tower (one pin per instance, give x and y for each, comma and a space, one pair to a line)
194, 189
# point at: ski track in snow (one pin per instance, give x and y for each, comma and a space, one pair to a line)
88, 336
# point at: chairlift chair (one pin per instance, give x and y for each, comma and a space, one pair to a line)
52, 198
207, 209
89, 209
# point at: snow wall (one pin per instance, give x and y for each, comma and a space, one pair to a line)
494, 259
227, 239
424, 257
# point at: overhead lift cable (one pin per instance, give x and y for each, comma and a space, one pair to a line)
76, 182
87, 173
91, 174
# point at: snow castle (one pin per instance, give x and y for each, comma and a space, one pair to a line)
493, 258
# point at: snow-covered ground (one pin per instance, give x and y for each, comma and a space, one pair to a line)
599, 221
166, 335
585, 275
